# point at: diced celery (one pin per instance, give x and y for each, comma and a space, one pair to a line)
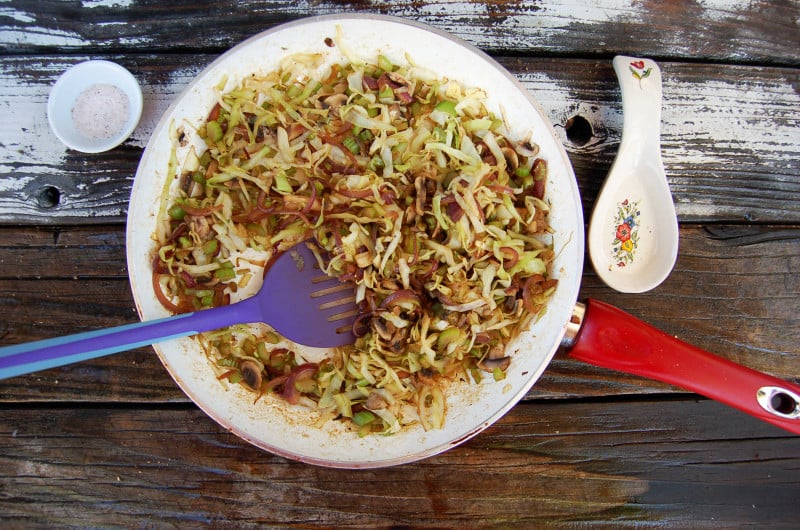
282, 183
447, 106
211, 247
363, 417
176, 212
213, 131
384, 63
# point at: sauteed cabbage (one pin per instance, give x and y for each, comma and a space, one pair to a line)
409, 187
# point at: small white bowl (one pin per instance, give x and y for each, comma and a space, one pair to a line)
104, 116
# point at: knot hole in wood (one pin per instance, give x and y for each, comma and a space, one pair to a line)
579, 130
48, 197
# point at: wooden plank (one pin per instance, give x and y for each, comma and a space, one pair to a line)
76, 253
61, 281
718, 31
672, 464
729, 136
43, 182
734, 291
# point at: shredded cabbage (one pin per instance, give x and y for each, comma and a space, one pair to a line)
410, 189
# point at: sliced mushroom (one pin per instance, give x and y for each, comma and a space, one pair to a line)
200, 226
497, 351
251, 375
384, 329
336, 100
397, 78
375, 401
420, 187
490, 365
512, 159
402, 90
527, 148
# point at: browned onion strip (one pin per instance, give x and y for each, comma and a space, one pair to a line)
304, 371
400, 297
510, 257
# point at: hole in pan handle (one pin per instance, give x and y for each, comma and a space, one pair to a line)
779, 401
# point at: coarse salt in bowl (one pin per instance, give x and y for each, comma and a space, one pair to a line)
94, 106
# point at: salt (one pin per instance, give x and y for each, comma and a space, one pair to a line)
100, 111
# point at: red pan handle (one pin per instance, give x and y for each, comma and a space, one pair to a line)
612, 338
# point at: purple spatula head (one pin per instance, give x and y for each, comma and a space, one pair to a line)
304, 304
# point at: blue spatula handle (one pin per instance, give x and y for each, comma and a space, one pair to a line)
59, 351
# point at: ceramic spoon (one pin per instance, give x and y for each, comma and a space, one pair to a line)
633, 233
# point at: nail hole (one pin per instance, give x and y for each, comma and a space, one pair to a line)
783, 403
48, 197
579, 130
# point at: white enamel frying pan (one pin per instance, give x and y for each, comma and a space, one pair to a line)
597, 333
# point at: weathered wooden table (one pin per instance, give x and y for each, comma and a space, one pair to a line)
115, 443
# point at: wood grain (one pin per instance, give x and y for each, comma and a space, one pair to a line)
115, 443
729, 137
670, 464
743, 32
734, 291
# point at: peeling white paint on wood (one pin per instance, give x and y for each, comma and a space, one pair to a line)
703, 123
41, 37
562, 26
721, 132
15, 14
735, 117
12, 184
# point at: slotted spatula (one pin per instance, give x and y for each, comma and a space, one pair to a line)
297, 300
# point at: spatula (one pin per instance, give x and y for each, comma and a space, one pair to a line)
297, 300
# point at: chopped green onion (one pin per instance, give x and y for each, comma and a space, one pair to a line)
375, 163
352, 145
282, 182
447, 106
293, 91
213, 131
176, 212
225, 272
448, 337
384, 63
363, 417
386, 93
262, 351
365, 135
522, 171
210, 247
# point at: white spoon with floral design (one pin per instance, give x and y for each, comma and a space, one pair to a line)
633, 233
